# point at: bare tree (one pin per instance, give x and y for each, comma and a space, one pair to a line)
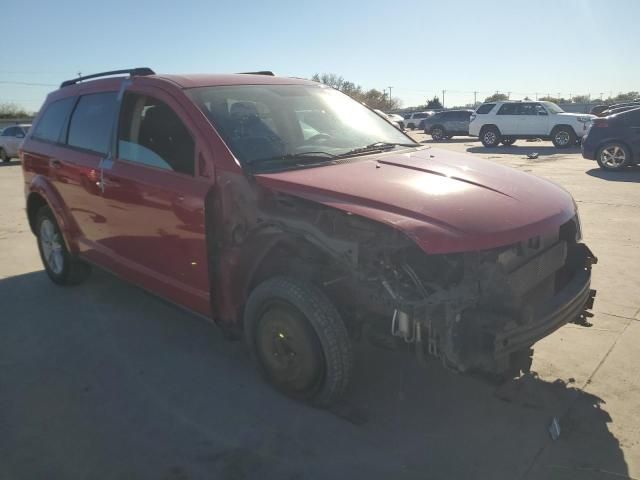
373, 98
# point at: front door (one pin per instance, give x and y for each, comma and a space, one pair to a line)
155, 201
533, 119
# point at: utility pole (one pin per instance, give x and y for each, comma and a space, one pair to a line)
601, 93
508, 95
536, 96
390, 93
475, 101
443, 92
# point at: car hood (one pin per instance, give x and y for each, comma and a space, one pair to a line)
575, 115
445, 201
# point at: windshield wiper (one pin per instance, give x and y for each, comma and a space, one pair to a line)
377, 147
313, 156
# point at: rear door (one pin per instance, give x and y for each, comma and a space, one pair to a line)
155, 198
507, 119
632, 122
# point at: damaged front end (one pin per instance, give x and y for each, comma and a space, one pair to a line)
482, 311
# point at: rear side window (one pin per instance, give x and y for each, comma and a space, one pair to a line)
486, 108
632, 118
53, 120
92, 122
509, 109
152, 134
10, 132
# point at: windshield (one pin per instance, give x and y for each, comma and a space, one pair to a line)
552, 107
262, 123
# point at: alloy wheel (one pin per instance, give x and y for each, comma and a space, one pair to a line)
613, 156
51, 246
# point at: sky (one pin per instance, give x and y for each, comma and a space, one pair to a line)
418, 47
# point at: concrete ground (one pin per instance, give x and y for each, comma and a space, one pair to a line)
103, 381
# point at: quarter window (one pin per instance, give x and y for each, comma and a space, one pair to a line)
152, 134
92, 122
53, 120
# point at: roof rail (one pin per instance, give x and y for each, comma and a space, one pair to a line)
261, 72
132, 72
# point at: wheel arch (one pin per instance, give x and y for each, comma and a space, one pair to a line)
560, 125
489, 125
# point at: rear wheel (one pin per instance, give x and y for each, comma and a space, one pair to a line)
490, 137
438, 133
613, 156
563, 137
62, 267
299, 340
411, 126
3, 155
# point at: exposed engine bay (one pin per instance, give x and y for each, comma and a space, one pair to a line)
475, 311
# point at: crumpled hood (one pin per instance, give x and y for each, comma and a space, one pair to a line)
445, 201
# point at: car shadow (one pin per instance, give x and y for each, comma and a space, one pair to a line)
103, 377
541, 150
629, 174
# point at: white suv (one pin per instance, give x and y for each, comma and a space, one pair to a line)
412, 120
505, 122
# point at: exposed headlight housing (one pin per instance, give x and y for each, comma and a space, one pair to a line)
584, 119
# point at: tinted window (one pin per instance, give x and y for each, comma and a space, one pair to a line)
632, 118
461, 115
508, 109
527, 109
92, 122
53, 120
10, 132
421, 115
152, 134
486, 108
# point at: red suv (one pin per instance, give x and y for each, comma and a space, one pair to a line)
284, 210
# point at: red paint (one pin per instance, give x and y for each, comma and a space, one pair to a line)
148, 226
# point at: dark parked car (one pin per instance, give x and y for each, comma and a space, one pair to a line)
606, 110
289, 213
614, 141
447, 124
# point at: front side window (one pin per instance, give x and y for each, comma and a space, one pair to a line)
283, 123
552, 107
53, 120
92, 122
528, 109
152, 134
9, 132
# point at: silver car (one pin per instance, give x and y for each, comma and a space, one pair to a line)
10, 140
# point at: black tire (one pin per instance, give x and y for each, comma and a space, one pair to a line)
3, 156
411, 126
490, 136
508, 141
69, 270
292, 319
563, 137
438, 133
613, 156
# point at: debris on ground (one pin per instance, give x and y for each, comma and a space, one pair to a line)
532, 156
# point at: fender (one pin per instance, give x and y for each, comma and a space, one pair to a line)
42, 186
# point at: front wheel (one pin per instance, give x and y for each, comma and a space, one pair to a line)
411, 126
613, 156
563, 137
3, 155
299, 340
62, 267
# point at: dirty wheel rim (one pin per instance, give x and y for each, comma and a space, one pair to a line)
562, 138
613, 156
51, 244
490, 137
436, 133
288, 348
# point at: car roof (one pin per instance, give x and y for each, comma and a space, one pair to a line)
211, 80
